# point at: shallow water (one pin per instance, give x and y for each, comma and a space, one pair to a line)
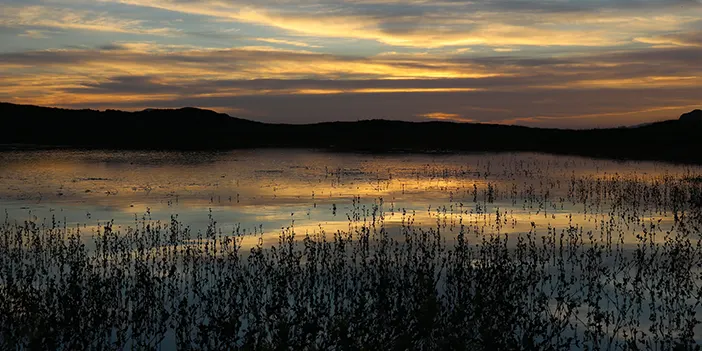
263, 191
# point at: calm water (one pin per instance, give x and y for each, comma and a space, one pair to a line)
262, 191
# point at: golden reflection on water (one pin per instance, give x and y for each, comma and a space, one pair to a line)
313, 191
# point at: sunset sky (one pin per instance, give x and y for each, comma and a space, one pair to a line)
551, 63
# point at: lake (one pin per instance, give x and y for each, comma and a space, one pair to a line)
267, 189
258, 248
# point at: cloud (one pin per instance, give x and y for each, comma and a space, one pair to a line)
238, 63
110, 47
269, 63
505, 49
70, 19
665, 112
528, 62
299, 86
452, 117
287, 42
674, 39
138, 85
536, 107
35, 34
449, 23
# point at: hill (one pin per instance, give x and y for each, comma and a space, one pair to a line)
692, 116
197, 129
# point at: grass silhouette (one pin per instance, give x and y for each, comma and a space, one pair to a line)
162, 285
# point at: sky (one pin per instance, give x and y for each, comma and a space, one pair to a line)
541, 63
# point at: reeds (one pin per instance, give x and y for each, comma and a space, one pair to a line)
374, 286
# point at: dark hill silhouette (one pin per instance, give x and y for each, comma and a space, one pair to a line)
692, 116
197, 129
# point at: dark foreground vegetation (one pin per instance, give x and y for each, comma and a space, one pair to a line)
632, 283
190, 128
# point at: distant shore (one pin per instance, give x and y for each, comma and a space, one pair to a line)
33, 127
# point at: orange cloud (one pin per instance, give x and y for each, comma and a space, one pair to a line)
453, 117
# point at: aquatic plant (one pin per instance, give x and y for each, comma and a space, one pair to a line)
628, 275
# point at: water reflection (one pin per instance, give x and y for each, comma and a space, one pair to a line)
263, 191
